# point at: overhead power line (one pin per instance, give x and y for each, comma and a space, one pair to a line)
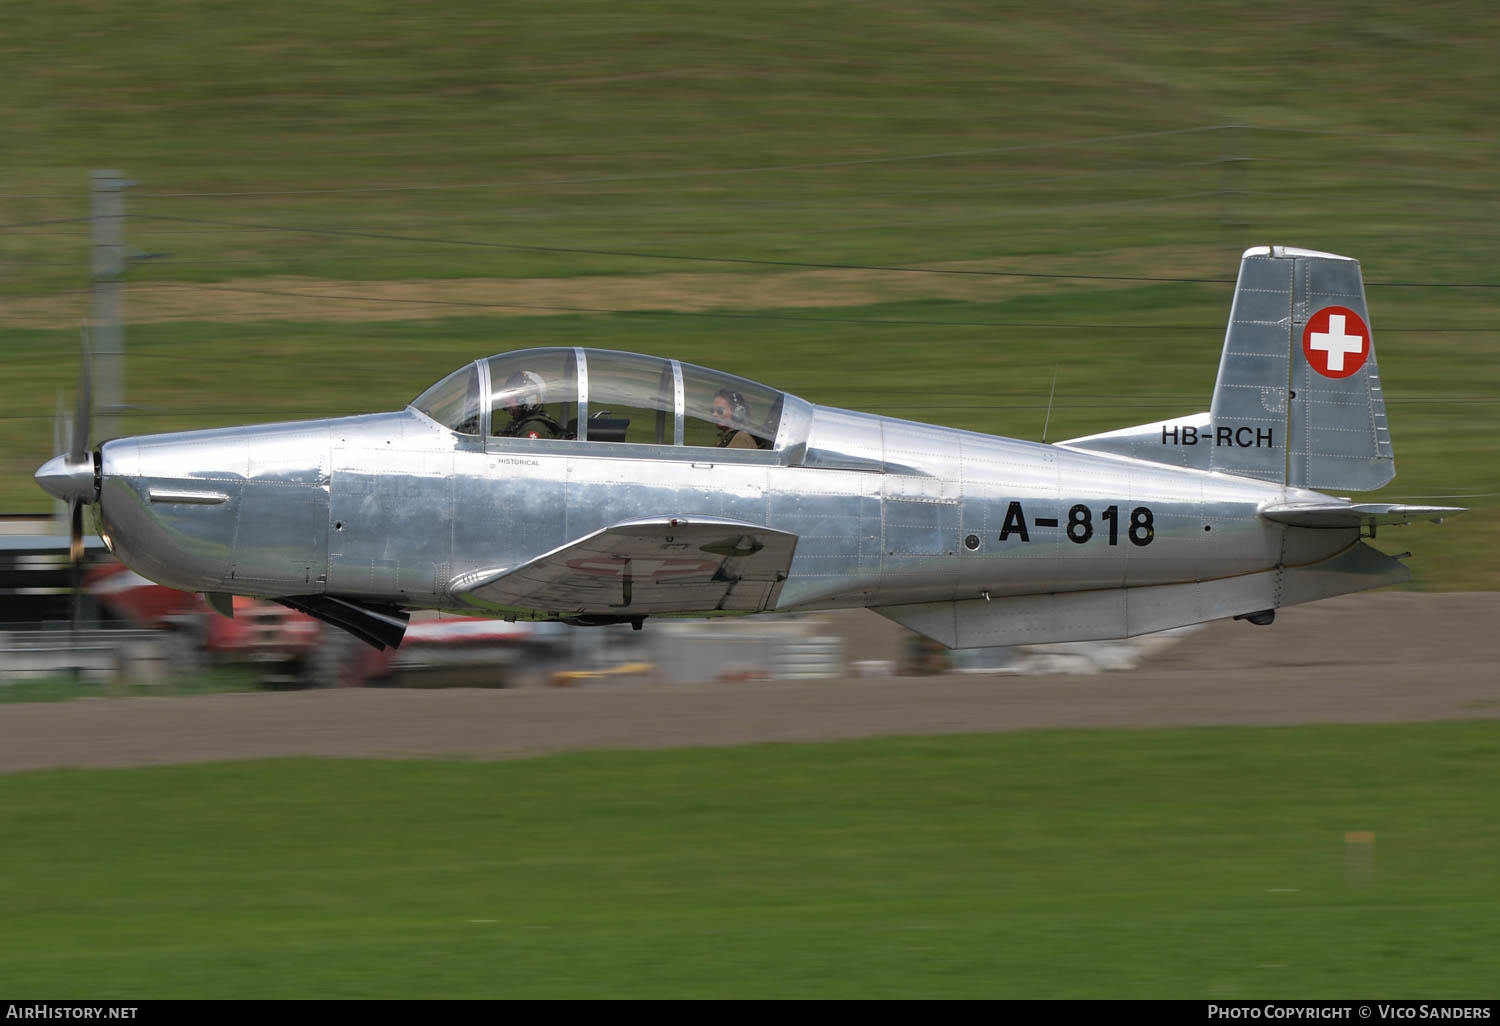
750, 261
50, 220
687, 258
736, 315
708, 172
502, 305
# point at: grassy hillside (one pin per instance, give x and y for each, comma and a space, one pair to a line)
335, 205
1050, 864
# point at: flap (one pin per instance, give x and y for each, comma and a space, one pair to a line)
1357, 514
646, 566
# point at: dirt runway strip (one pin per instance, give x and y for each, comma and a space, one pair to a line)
1359, 659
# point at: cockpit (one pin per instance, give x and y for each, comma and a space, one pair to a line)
598, 395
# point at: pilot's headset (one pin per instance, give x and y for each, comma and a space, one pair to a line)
525, 388
738, 411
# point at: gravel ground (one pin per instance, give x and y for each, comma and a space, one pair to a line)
1393, 657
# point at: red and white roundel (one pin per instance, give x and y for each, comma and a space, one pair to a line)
1336, 342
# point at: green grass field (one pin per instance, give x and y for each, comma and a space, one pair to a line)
1205, 863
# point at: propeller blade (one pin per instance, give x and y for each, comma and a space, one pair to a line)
75, 537
79, 443
75, 561
60, 440
60, 443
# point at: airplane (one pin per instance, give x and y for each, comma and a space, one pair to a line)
596, 487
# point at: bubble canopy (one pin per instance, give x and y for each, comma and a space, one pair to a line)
600, 395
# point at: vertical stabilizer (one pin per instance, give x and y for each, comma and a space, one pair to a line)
1298, 380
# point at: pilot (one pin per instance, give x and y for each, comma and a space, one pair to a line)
522, 399
730, 415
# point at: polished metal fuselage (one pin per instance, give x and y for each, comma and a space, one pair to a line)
391, 508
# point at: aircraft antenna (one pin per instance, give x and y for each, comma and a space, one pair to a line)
1050, 394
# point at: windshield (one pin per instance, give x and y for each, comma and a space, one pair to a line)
454, 401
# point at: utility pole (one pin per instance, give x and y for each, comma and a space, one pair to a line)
107, 315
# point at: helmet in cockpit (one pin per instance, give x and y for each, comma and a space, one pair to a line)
524, 390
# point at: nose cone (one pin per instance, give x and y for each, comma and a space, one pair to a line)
67, 480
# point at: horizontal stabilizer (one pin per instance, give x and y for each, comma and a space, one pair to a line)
1358, 514
644, 567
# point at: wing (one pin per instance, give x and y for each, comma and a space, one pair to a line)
1358, 514
642, 567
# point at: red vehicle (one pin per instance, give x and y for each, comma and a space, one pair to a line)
286, 643
297, 650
